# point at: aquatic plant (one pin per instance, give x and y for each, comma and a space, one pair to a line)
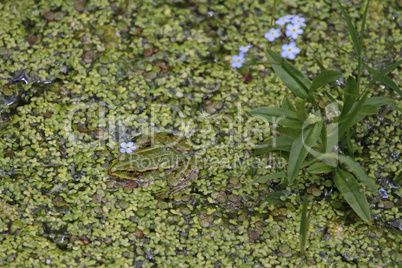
317, 137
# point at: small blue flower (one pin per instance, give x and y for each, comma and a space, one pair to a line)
244, 49
289, 16
290, 51
383, 193
298, 21
127, 147
284, 19
238, 60
293, 31
272, 34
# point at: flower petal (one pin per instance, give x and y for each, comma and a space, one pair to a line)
383, 193
291, 56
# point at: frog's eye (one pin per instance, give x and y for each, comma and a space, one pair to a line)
130, 172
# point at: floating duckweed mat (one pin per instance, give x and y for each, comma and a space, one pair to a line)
78, 78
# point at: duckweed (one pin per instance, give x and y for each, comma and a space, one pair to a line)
79, 78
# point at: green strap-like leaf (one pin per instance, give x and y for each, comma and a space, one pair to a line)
354, 167
333, 84
294, 79
351, 29
399, 178
274, 111
349, 188
385, 71
396, 253
291, 132
384, 79
277, 115
375, 101
301, 111
368, 109
359, 172
347, 122
302, 144
324, 78
319, 168
329, 96
303, 226
379, 101
350, 94
378, 75
279, 143
349, 144
288, 104
363, 25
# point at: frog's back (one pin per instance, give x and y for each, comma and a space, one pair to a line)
148, 159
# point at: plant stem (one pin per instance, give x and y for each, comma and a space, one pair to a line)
273, 14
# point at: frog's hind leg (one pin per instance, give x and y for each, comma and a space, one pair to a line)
178, 144
185, 184
182, 177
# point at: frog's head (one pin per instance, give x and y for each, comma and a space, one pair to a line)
123, 169
128, 173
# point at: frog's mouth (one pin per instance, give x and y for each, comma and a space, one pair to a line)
128, 173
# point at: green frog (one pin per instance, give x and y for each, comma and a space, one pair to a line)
154, 156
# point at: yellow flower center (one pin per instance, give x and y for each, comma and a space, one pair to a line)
239, 60
294, 30
127, 147
289, 49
